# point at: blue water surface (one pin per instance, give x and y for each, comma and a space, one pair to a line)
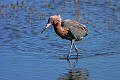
26, 54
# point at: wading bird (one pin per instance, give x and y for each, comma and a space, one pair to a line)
67, 29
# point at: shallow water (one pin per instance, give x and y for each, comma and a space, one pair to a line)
27, 54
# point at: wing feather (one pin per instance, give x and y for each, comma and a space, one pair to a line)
77, 29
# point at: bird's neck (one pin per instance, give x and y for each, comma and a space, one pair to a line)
58, 28
57, 25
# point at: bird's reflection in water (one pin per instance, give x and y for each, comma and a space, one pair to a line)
74, 73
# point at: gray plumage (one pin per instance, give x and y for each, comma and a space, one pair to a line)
76, 29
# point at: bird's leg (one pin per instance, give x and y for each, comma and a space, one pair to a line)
76, 49
72, 42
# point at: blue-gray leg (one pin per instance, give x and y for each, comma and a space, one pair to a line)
72, 42
76, 49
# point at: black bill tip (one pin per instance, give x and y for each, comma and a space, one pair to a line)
43, 30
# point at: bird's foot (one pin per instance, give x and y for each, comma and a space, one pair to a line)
77, 56
68, 56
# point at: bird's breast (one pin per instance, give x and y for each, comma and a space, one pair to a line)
61, 31
64, 33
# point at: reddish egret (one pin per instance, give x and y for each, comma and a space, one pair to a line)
67, 29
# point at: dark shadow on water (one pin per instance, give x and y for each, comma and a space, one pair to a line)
74, 72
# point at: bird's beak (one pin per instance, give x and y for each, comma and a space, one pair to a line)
47, 26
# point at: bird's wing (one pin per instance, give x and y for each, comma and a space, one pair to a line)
78, 30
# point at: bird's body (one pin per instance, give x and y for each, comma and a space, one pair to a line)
68, 29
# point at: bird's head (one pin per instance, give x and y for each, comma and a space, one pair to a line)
51, 20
